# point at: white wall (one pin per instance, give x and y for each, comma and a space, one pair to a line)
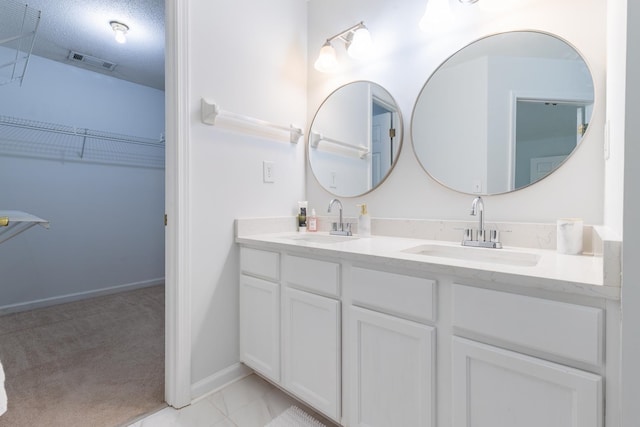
614, 146
249, 56
106, 221
404, 61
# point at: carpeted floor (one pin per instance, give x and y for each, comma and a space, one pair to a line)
97, 362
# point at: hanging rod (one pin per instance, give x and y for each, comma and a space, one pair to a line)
316, 137
211, 110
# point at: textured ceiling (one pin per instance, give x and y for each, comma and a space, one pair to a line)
83, 26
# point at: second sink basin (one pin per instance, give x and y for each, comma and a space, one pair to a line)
496, 256
323, 238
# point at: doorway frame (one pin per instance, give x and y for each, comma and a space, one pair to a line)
537, 96
177, 204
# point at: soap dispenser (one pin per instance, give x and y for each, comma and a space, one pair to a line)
312, 221
364, 221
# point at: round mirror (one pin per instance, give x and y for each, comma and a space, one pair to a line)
502, 113
355, 139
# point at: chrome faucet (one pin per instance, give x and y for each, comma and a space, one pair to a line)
477, 208
479, 237
339, 227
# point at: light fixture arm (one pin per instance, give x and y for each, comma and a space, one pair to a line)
357, 41
344, 35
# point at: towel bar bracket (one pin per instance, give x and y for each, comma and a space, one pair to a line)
211, 111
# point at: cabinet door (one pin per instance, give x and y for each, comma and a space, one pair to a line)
493, 387
260, 326
311, 349
391, 369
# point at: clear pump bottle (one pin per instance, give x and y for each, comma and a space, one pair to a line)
364, 222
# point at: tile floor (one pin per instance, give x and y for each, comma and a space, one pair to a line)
249, 402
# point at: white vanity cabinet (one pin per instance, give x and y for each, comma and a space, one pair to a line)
311, 349
370, 342
392, 359
260, 311
290, 329
498, 387
311, 332
493, 387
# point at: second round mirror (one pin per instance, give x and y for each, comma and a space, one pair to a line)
503, 112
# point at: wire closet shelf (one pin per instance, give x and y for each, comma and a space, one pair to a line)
29, 138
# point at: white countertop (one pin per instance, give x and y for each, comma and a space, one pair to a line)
575, 274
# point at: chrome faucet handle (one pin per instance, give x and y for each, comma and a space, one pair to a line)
342, 229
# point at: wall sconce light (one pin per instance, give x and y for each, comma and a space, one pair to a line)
439, 14
120, 30
357, 41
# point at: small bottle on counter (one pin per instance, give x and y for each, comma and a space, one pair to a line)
364, 222
312, 221
302, 216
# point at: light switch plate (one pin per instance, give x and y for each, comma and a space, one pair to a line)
268, 171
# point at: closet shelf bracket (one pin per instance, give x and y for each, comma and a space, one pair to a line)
211, 111
13, 223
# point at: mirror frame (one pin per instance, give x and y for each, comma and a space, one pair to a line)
441, 65
400, 140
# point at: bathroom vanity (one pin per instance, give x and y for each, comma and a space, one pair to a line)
400, 331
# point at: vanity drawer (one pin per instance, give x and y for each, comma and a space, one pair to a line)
561, 329
315, 275
397, 294
256, 262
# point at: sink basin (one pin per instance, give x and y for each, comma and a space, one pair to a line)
323, 238
496, 256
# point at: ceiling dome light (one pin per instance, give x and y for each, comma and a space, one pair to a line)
120, 30
360, 45
327, 61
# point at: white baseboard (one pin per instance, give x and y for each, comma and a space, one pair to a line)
219, 380
46, 302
